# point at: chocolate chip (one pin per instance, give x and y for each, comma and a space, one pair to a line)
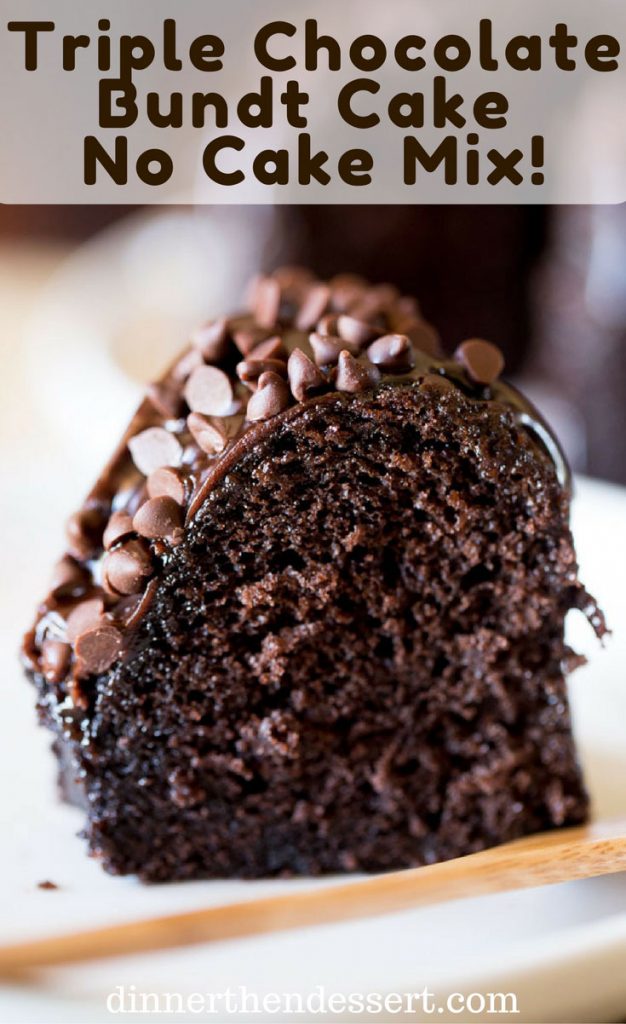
326, 348
357, 332
210, 391
304, 377
392, 353
84, 533
55, 660
126, 569
272, 348
169, 482
404, 308
346, 290
266, 302
209, 432
270, 398
354, 376
383, 296
313, 306
482, 361
293, 278
421, 334
247, 338
97, 649
166, 399
187, 363
131, 609
119, 525
159, 519
69, 575
327, 325
212, 340
251, 369
84, 615
153, 448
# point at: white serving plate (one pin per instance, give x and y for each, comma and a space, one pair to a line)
562, 950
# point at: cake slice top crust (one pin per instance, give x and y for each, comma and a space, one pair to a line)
303, 342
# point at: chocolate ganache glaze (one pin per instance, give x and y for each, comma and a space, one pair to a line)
304, 342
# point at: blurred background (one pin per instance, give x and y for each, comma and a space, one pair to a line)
104, 296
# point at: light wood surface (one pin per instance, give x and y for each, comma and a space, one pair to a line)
559, 856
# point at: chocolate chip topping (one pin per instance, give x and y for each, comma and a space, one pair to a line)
209, 391
266, 305
97, 649
153, 448
208, 432
422, 335
354, 376
55, 660
305, 379
482, 361
119, 525
126, 569
251, 369
392, 353
379, 299
406, 307
85, 615
357, 332
270, 398
212, 340
272, 348
359, 329
327, 325
346, 290
313, 306
166, 399
293, 279
247, 338
168, 481
186, 364
326, 348
84, 533
159, 519
68, 574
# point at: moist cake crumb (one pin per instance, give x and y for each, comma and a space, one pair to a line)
311, 617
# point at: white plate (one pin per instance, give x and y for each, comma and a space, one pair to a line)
561, 950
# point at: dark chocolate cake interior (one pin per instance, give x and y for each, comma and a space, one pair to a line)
348, 655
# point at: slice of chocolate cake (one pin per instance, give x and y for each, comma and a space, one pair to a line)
311, 615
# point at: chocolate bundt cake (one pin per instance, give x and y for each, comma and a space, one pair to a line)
310, 618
